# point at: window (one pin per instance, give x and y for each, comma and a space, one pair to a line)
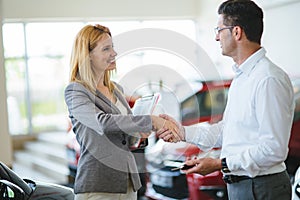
15, 68
37, 67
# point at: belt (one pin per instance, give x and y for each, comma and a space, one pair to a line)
234, 179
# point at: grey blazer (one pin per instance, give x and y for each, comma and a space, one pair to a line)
106, 161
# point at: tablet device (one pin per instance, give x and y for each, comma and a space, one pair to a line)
145, 105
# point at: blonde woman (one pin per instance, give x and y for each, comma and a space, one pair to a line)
102, 120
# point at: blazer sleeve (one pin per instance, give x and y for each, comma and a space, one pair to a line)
88, 110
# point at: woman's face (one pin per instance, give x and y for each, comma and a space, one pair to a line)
103, 55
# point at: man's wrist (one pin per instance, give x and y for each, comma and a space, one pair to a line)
225, 168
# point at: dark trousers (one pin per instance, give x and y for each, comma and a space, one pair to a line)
268, 187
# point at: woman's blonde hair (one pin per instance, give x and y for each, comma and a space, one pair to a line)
81, 69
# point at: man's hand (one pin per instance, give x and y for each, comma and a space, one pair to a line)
203, 166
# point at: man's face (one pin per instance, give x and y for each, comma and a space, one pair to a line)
224, 36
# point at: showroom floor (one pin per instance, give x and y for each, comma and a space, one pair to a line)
44, 160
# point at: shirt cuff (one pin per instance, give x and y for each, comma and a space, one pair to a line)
191, 135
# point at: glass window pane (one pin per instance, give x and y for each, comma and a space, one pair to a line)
16, 92
50, 39
47, 80
118, 27
184, 27
13, 40
49, 50
128, 61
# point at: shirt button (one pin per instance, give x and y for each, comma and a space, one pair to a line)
123, 142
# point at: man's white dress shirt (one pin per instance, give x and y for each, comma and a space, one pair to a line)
255, 130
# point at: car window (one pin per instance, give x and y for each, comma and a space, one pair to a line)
204, 104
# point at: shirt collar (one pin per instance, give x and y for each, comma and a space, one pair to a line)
247, 66
237, 70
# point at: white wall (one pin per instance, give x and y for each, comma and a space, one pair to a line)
282, 37
5, 140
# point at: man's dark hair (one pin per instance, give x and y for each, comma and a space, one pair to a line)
246, 14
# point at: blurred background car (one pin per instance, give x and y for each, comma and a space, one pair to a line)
206, 105
14, 187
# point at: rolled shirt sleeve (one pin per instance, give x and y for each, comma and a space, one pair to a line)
204, 135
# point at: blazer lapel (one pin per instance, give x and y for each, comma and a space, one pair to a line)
123, 100
113, 107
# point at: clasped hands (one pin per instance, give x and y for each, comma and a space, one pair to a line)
167, 128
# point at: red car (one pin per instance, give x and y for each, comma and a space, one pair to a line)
206, 105
211, 101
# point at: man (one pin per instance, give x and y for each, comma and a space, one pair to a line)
255, 129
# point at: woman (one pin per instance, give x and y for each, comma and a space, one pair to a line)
102, 120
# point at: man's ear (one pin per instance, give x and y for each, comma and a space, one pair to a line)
237, 32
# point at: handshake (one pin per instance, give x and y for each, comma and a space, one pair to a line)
167, 128
170, 130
